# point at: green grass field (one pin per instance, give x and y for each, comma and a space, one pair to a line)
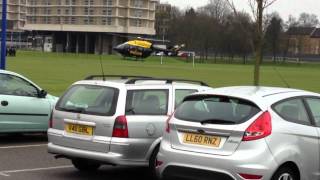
55, 72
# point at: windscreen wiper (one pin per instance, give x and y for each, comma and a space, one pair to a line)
216, 121
131, 110
76, 110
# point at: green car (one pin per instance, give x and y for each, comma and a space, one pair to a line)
24, 106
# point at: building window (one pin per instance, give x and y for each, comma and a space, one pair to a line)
73, 2
58, 21
86, 20
109, 12
91, 21
73, 20
138, 13
58, 11
137, 22
108, 2
67, 2
43, 20
86, 2
91, 2
48, 11
91, 11
107, 21
86, 11
67, 11
66, 20
73, 10
138, 3
48, 20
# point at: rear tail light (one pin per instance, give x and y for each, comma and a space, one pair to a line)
260, 128
120, 128
50, 124
167, 123
250, 176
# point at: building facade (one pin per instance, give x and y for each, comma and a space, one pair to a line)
82, 25
304, 41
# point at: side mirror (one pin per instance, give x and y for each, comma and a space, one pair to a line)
42, 94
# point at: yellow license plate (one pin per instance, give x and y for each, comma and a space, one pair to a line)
79, 129
199, 139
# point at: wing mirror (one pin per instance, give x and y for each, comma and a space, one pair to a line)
42, 94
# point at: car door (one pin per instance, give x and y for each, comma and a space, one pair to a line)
313, 105
300, 135
20, 107
147, 110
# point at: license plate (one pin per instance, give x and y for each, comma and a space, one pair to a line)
199, 139
79, 129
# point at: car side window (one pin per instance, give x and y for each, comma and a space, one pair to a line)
293, 110
314, 105
147, 102
180, 94
13, 85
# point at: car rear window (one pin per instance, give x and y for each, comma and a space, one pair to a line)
89, 99
147, 102
216, 110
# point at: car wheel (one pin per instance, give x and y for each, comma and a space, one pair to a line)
85, 165
153, 161
285, 173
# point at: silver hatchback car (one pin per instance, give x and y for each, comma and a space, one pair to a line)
115, 121
243, 133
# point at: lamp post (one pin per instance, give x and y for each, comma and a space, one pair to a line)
3, 35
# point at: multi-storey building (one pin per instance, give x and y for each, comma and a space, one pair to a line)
82, 25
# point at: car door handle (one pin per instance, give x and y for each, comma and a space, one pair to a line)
4, 103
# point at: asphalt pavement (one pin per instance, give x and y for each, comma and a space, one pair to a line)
25, 157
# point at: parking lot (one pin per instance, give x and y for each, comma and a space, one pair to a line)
25, 157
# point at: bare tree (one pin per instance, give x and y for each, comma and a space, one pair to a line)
257, 9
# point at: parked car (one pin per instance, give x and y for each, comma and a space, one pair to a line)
115, 121
243, 133
24, 106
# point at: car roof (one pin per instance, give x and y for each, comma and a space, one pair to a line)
122, 83
261, 95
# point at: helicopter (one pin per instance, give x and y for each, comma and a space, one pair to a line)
142, 48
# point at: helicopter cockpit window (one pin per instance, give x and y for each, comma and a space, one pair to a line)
123, 46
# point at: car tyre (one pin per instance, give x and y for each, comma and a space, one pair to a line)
285, 173
85, 165
153, 161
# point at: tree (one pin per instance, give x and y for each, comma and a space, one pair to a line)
308, 20
257, 8
273, 35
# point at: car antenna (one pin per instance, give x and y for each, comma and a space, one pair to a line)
101, 49
281, 77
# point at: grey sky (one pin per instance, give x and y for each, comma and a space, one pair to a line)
284, 7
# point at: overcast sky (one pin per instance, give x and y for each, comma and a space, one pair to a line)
284, 7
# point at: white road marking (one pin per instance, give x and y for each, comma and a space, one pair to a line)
22, 146
6, 173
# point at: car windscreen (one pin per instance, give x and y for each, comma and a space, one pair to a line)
89, 99
216, 110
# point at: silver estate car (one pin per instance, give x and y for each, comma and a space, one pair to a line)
115, 121
243, 133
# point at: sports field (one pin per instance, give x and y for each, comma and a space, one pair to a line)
55, 72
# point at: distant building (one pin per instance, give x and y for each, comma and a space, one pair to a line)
304, 40
163, 15
81, 25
